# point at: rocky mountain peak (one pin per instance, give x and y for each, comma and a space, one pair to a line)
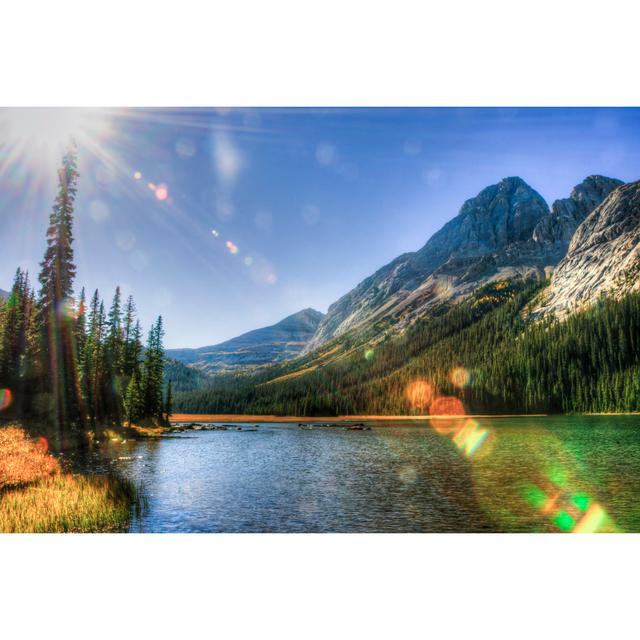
499, 215
603, 256
506, 231
567, 213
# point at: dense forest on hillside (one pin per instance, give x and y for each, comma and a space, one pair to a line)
71, 363
508, 363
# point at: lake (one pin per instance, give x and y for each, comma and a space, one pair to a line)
527, 474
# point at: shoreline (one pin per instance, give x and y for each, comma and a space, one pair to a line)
232, 417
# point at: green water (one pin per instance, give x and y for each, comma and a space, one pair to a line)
528, 474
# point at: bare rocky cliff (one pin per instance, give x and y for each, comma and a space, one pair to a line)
506, 231
603, 256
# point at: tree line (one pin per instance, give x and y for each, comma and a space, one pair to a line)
69, 361
511, 361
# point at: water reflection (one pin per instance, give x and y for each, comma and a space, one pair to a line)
542, 474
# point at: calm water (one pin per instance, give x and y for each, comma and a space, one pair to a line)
394, 478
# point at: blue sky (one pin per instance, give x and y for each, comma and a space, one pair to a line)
311, 200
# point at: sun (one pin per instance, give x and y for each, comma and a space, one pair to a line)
37, 137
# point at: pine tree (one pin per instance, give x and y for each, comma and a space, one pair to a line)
168, 402
95, 360
81, 346
114, 360
60, 379
153, 373
131, 339
115, 338
134, 400
13, 327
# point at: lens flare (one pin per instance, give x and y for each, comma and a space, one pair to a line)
5, 399
99, 210
162, 193
459, 377
185, 148
470, 437
369, 354
233, 249
68, 309
594, 520
137, 175
37, 137
446, 412
535, 484
577, 512
419, 394
214, 233
42, 444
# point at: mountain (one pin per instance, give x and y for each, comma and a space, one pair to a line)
567, 214
484, 351
603, 256
182, 377
487, 348
506, 231
254, 349
3, 294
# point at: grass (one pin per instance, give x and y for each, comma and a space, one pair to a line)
148, 432
36, 496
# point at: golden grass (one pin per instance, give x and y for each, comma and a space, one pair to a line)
37, 497
66, 503
23, 461
148, 432
288, 376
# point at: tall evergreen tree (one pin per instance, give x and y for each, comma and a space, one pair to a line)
114, 360
60, 380
131, 336
11, 341
134, 400
153, 373
115, 338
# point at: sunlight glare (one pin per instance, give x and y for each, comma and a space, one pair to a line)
39, 136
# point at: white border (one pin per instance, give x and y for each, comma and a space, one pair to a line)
286, 53
291, 52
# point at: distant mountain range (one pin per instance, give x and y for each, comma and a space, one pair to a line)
255, 349
588, 244
4, 294
474, 314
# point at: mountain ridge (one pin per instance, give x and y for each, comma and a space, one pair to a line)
256, 348
603, 257
506, 231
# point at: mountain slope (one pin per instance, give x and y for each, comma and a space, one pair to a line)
568, 213
3, 294
506, 231
603, 257
254, 349
483, 351
485, 348
182, 377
